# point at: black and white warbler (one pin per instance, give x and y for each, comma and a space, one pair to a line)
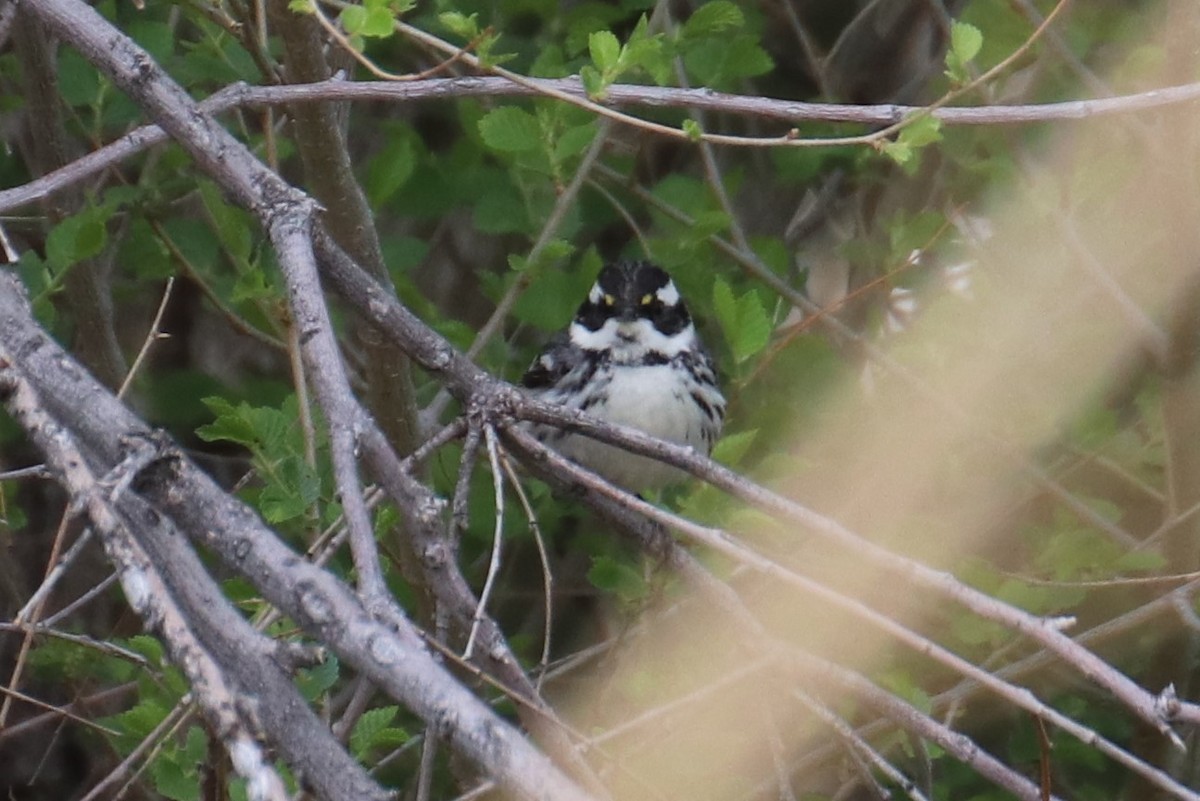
631, 356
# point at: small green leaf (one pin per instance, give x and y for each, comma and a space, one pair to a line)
234, 227
143, 252
616, 577
300, 6
390, 170
313, 681
379, 23
605, 50
574, 141
372, 722
148, 647
719, 61
713, 18
79, 83
965, 41
645, 51
1140, 561
731, 448
173, 781
550, 302
897, 151
924, 130
593, 82
510, 129
693, 129
353, 19
500, 210
744, 320
460, 24
77, 237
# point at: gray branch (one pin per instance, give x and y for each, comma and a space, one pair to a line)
790, 112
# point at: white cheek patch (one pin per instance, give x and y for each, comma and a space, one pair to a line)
596, 294
600, 339
668, 294
650, 339
631, 341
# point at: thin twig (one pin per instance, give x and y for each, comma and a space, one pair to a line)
856, 743
152, 336
544, 558
489, 583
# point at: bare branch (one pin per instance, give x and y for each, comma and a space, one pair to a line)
390, 655
786, 111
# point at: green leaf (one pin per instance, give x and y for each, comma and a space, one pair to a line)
510, 129
291, 492
460, 24
718, 62
713, 18
550, 302
574, 141
379, 23
141, 719
922, 131
605, 50
313, 681
353, 19
645, 51
692, 129
725, 304
78, 81
897, 151
744, 319
235, 229
918, 132
148, 647
902, 684
390, 170
34, 275
262, 429
500, 210
372, 722
173, 781
1140, 561
593, 82
619, 578
78, 237
143, 253
731, 448
965, 41
232, 423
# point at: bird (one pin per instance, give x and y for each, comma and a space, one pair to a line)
630, 356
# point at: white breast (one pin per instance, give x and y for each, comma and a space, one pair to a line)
653, 399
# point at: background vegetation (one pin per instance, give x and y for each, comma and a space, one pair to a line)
955, 554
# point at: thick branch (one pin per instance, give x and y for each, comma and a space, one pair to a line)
394, 659
226, 705
46, 151
347, 216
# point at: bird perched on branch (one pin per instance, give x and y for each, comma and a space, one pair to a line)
631, 356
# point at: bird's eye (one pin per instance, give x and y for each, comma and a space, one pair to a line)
647, 300
609, 300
